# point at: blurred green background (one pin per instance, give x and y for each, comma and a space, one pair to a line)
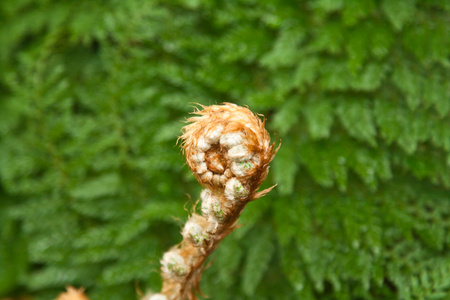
93, 95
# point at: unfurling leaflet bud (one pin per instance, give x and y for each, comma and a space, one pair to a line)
206, 197
234, 190
194, 232
173, 263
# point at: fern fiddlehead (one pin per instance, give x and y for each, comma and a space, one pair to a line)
228, 150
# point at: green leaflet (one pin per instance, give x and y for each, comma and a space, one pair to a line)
326, 38
410, 84
319, 168
285, 169
287, 223
115, 292
425, 40
370, 78
356, 116
126, 271
228, 259
244, 43
436, 92
319, 116
381, 40
105, 185
257, 260
13, 252
168, 132
287, 116
292, 267
328, 5
356, 44
306, 71
143, 217
405, 127
285, 50
55, 276
399, 12
355, 10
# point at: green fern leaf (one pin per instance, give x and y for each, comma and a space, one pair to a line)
399, 12
356, 117
257, 260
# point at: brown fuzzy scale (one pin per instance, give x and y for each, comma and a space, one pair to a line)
73, 294
211, 123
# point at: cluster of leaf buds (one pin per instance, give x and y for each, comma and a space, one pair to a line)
228, 150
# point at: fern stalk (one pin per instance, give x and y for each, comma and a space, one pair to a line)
228, 150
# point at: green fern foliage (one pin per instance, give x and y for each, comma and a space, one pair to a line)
93, 95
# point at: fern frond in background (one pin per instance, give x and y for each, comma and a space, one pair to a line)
91, 98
